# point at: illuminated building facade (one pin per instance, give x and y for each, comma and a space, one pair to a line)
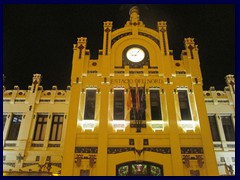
221, 114
134, 111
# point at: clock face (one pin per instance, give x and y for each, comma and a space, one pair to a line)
135, 54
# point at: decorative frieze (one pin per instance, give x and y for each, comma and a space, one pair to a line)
9, 164
57, 164
115, 150
119, 37
29, 164
150, 37
53, 145
191, 150
36, 145
86, 149
162, 150
10, 145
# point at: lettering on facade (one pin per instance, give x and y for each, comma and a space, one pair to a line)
136, 81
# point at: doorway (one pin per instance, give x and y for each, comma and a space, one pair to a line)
143, 168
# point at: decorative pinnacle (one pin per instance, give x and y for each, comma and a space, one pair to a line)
134, 9
134, 14
36, 78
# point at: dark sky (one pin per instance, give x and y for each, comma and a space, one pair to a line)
39, 38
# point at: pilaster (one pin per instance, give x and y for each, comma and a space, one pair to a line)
103, 132
177, 165
71, 131
207, 142
28, 116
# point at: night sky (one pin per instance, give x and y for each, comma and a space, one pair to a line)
39, 38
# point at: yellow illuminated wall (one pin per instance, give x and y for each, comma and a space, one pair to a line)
180, 147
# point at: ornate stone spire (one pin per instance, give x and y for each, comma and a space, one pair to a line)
134, 18
134, 14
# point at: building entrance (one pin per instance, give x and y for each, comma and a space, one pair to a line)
139, 169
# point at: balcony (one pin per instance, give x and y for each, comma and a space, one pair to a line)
187, 125
88, 124
157, 125
119, 125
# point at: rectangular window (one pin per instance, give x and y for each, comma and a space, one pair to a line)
14, 127
228, 128
48, 159
155, 105
40, 127
4, 120
214, 128
89, 112
118, 112
184, 105
56, 129
141, 115
37, 158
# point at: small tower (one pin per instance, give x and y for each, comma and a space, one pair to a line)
230, 80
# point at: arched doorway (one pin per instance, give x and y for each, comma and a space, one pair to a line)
143, 168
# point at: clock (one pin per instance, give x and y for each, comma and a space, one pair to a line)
135, 54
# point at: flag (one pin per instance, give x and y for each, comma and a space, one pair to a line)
143, 100
137, 99
129, 100
142, 103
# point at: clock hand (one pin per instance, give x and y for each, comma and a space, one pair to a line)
137, 53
